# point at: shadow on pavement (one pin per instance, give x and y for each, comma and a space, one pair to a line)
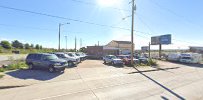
164, 87
188, 64
116, 66
157, 69
34, 74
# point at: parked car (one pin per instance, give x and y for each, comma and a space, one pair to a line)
72, 61
127, 59
112, 60
46, 61
81, 55
72, 54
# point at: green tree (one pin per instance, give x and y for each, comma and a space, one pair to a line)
6, 44
27, 46
17, 44
40, 47
37, 46
83, 49
32, 46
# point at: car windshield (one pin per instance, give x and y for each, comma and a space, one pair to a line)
77, 54
51, 57
186, 57
70, 54
113, 57
66, 55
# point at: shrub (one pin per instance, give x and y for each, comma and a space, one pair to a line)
2, 69
1, 76
152, 62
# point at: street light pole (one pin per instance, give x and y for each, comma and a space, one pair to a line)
66, 42
132, 30
59, 37
59, 46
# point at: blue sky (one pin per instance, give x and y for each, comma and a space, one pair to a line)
181, 18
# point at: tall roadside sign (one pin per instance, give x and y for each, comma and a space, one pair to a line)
161, 40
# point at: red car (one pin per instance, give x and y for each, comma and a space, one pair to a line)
126, 59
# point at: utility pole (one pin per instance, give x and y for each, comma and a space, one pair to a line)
80, 43
75, 44
98, 43
59, 45
132, 30
149, 50
66, 42
160, 49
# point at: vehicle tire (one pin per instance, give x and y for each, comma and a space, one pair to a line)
70, 64
51, 69
112, 63
104, 62
30, 66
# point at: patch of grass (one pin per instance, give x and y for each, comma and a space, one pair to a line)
150, 62
14, 66
1, 76
18, 65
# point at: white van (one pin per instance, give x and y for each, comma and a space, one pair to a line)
190, 58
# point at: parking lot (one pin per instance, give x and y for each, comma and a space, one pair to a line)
92, 80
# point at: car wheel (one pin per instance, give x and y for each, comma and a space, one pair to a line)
31, 66
70, 63
51, 69
104, 62
112, 63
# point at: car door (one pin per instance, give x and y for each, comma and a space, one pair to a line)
44, 63
36, 60
108, 58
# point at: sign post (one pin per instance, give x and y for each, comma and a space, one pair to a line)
160, 40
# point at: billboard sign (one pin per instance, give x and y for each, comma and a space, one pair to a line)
163, 39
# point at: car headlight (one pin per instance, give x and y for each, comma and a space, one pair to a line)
57, 64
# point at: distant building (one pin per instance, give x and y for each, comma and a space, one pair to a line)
196, 49
112, 48
145, 48
97, 52
123, 46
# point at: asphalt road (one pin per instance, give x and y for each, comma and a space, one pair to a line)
92, 80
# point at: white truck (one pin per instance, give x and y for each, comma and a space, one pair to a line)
190, 58
112, 60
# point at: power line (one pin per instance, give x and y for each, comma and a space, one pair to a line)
93, 4
172, 12
76, 20
59, 17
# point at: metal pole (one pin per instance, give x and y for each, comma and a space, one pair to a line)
66, 42
59, 37
149, 50
160, 51
75, 44
132, 30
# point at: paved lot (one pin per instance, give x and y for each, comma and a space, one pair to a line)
93, 80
